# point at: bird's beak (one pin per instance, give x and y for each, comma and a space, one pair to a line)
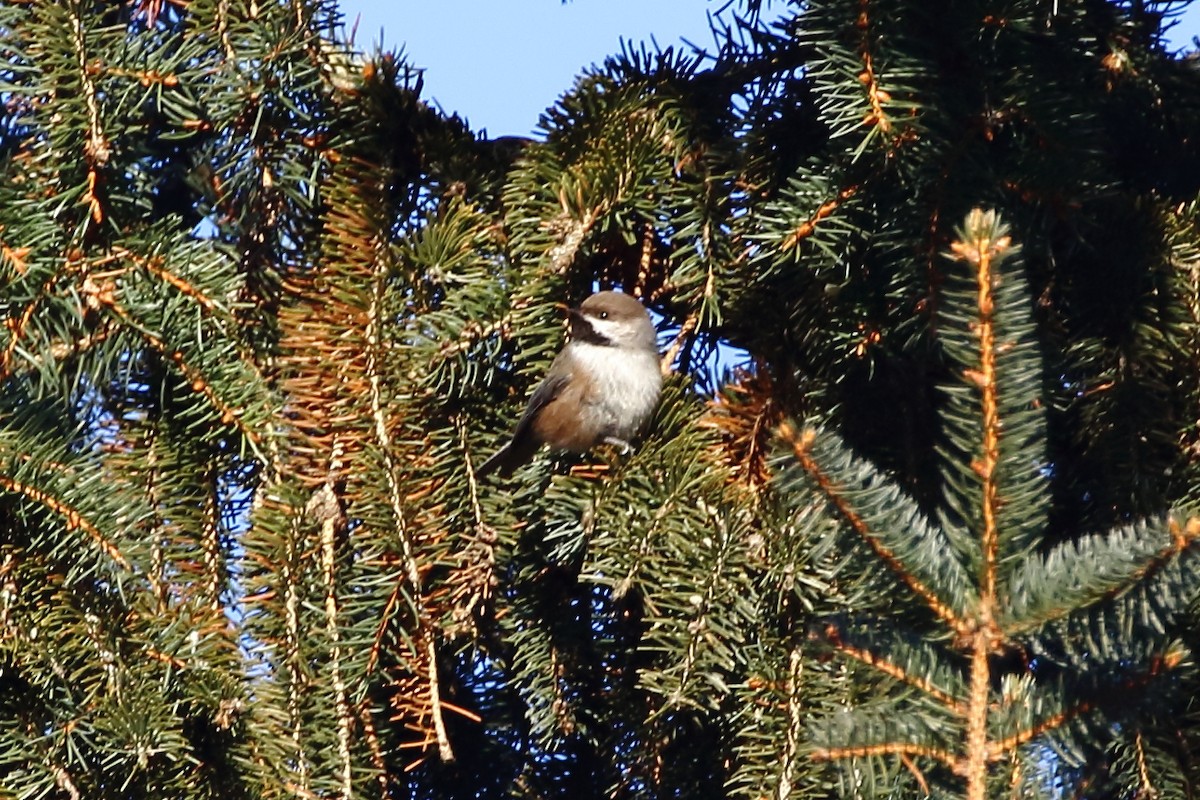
572, 313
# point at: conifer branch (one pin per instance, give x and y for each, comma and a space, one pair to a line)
289, 575
154, 266
228, 414
982, 240
14, 258
1000, 749
799, 444
8, 593
646, 261
570, 233
412, 568
165, 658
96, 148
74, 519
375, 749
223, 32
795, 724
805, 229
146, 77
1183, 538
325, 508
475, 577
17, 333
888, 749
210, 540
157, 576
62, 350
746, 415
979, 251
17, 328
1160, 664
64, 781
381, 628
667, 362
699, 627
643, 548
875, 95
895, 671
975, 763
1146, 788
473, 332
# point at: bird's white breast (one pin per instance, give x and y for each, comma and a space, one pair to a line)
625, 384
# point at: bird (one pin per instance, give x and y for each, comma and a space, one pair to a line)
600, 389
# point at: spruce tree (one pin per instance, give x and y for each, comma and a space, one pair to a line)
266, 311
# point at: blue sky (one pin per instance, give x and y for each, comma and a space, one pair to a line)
499, 63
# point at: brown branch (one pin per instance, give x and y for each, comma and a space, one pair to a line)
899, 673
888, 749
96, 148
17, 328
73, 517
154, 267
875, 96
426, 632
667, 362
800, 444
229, 415
911, 766
806, 228
795, 727
980, 250
998, 750
374, 748
210, 541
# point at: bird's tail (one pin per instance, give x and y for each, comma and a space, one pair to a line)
499, 459
517, 452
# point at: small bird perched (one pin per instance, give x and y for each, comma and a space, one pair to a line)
600, 389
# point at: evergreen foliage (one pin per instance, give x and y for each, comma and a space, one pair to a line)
266, 311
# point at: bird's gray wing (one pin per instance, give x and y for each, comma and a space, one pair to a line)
550, 388
521, 447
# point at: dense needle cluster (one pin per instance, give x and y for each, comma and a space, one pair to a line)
916, 514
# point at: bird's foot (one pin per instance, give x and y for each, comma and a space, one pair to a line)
625, 447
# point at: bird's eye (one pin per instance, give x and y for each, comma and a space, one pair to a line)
603, 315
